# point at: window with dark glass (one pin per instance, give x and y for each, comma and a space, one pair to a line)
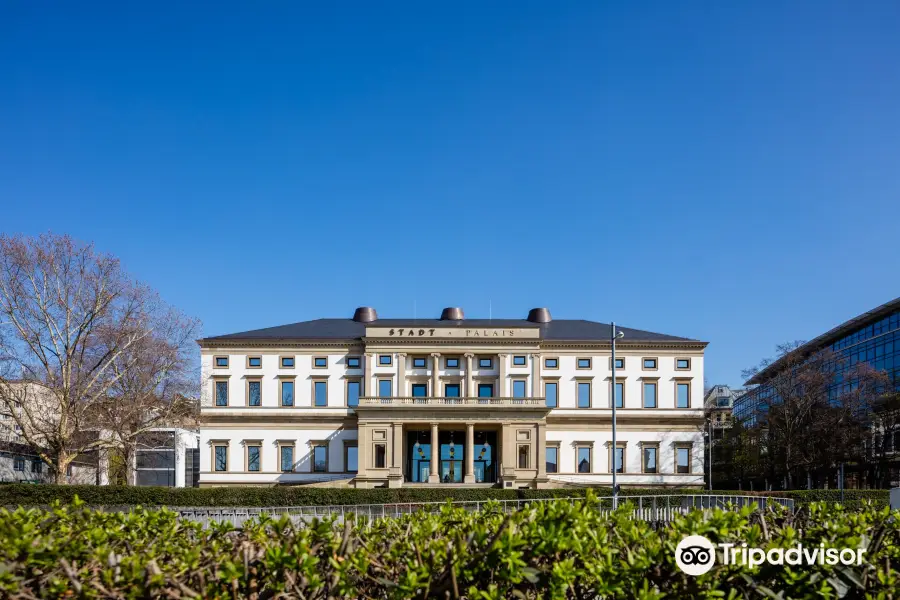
37, 465
320, 458
385, 388
649, 363
221, 393
19, 463
385, 359
583, 459
523, 457
620, 394
320, 362
584, 363
519, 361
452, 363
584, 394
287, 458
254, 361
683, 363
353, 362
552, 459
649, 394
287, 393
287, 362
253, 458
221, 361
551, 363
683, 395
351, 458
620, 460
451, 390
321, 393
221, 458
419, 390
550, 392
353, 389
650, 459
254, 393
485, 390
380, 455
682, 460
485, 363
518, 388
420, 362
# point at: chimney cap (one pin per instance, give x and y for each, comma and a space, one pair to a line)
365, 314
452, 313
539, 315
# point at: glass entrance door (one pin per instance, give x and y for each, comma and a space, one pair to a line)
484, 463
418, 449
452, 452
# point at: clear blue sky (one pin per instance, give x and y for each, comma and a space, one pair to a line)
723, 172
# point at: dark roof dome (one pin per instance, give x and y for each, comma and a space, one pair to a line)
365, 314
452, 314
539, 315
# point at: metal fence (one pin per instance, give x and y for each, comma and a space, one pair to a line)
662, 508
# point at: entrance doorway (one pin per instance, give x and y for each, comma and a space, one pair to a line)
452, 456
485, 465
418, 449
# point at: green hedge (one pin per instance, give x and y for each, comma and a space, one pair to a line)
42, 495
552, 550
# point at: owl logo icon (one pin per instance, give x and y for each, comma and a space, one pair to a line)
695, 555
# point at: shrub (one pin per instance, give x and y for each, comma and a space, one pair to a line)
546, 550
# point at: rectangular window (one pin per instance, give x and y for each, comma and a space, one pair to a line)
420, 362
419, 390
221, 393
320, 389
682, 459
550, 393
353, 389
452, 363
287, 393
518, 388
19, 464
620, 459
254, 362
380, 456
584, 394
287, 458
221, 361
583, 459
254, 393
583, 363
287, 362
37, 466
451, 390
485, 390
682, 395
385, 388
485, 363
523, 456
682, 364
253, 458
620, 394
650, 364
552, 459
320, 362
385, 360
519, 361
221, 455
649, 463
351, 458
551, 363
620, 363
353, 362
649, 394
320, 458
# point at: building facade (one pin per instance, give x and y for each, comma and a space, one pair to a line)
371, 402
719, 403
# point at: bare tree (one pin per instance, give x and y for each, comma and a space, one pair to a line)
75, 331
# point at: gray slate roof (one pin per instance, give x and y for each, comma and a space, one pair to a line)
346, 329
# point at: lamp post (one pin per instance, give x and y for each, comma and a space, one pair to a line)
709, 421
614, 335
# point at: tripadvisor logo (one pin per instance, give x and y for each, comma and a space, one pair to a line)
696, 555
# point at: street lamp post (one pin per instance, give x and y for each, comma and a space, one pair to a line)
710, 452
614, 335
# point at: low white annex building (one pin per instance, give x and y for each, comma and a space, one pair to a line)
374, 402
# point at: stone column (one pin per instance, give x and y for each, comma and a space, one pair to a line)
179, 460
436, 374
501, 392
469, 476
397, 452
535, 375
434, 476
541, 431
368, 378
470, 393
401, 375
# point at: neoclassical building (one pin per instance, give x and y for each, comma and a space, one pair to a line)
371, 402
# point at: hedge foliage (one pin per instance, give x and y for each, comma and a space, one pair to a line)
547, 550
12, 495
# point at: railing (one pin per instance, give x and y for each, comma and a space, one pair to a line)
448, 401
645, 508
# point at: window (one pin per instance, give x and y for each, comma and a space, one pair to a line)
485, 363
620, 394
552, 459
682, 394
320, 393
254, 393
320, 458
221, 361
682, 364
620, 363
287, 362
221, 393
584, 394
619, 459
649, 394
320, 362
523, 456
253, 458
353, 362
649, 364
485, 390
550, 393
254, 362
220, 454
351, 457
551, 363
353, 389
37, 466
287, 458
519, 361
451, 390
384, 388
518, 388
649, 458
583, 363
385, 360
420, 362
380, 456
419, 390
287, 393
19, 463
452, 363
682, 459
583, 459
